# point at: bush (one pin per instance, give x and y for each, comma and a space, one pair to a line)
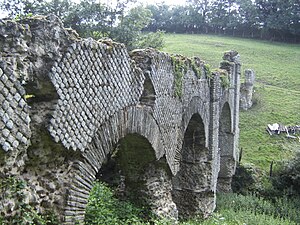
247, 179
151, 40
286, 180
104, 208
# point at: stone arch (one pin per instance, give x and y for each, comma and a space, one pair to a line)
196, 106
129, 121
139, 177
226, 148
191, 185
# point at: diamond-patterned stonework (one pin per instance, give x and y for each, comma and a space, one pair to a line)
93, 81
15, 120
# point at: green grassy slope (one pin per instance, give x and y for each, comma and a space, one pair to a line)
277, 94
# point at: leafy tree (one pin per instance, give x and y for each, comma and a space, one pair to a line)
90, 19
200, 12
248, 23
129, 29
161, 15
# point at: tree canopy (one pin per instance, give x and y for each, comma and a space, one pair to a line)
267, 19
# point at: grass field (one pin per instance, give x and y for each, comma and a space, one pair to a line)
277, 89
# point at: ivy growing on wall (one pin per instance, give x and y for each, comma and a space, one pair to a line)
224, 77
179, 68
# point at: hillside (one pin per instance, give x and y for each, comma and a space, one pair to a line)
277, 89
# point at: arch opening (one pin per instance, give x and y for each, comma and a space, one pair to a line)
226, 147
136, 176
191, 185
148, 96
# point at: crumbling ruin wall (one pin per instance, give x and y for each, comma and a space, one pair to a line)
247, 89
66, 102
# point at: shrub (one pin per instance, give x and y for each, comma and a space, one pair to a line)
247, 179
151, 40
286, 179
104, 208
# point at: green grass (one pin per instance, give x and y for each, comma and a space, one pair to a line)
277, 89
232, 209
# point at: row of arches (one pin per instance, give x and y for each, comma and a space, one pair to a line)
130, 157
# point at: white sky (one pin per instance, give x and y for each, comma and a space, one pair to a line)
168, 2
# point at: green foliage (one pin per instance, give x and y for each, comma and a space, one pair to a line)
273, 19
207, 69
151, 40
276, 89
179, 68
12, 189
104, 208
129, 29
247, 179
280, 209
225, 82
286, 179
236, 209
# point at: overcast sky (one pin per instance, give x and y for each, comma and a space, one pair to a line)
168, 2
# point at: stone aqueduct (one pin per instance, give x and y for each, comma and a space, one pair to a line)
68, 103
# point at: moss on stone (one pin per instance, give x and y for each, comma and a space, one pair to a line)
45, 151
207, 70
224, 77
179, 68
226, 65
197, 70
225, 82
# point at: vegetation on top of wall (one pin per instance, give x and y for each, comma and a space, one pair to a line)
179, 68
198, 70
207, 70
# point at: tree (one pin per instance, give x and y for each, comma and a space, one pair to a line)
201, 9
131, 25
248, 23
161, 15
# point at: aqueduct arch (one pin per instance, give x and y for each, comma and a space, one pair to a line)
226, 145
191, 185
65, 103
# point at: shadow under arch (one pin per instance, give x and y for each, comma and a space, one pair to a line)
129, 123
226, 147
134, 172
191, 185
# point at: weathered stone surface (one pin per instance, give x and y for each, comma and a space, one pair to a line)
66, 102
247, 90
